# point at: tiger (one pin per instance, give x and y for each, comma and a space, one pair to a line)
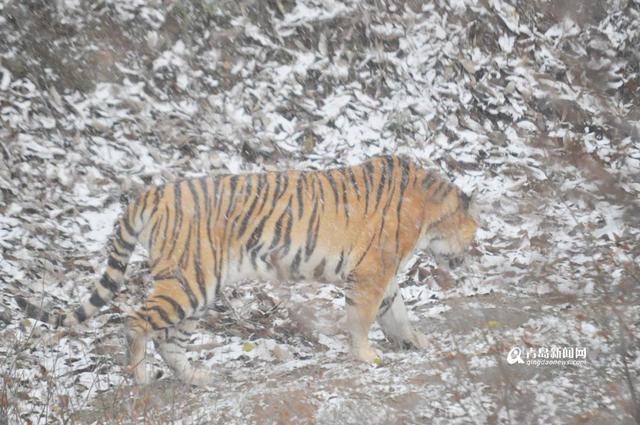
354, 226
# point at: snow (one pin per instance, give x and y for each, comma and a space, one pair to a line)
101, 225
533, 107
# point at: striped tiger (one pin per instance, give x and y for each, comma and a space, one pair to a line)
355, 225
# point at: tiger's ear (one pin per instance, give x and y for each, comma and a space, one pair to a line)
470, 203
467, 200
474, 197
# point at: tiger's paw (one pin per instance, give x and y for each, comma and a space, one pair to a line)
416, 341
140, 374
198, 377
368, 355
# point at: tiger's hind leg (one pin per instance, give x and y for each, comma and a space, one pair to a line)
172, 346
137, 336
394, 320
168, 317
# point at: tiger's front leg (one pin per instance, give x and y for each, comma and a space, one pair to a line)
363, 298
394, 320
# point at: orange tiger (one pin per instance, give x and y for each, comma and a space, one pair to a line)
354, 225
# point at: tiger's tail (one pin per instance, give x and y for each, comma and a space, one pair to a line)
123, 242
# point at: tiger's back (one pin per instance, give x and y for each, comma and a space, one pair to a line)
353, 225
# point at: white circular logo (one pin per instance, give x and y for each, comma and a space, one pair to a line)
515, 356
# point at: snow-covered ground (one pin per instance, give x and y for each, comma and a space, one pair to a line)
534, 106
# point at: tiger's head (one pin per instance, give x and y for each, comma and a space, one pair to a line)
449, 225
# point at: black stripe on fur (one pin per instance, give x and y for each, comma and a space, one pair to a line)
32, 311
